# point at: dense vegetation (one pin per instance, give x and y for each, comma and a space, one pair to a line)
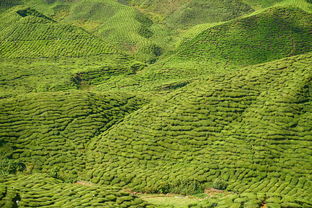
101, 100
39, 190
243, 127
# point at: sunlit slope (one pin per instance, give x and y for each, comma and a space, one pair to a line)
51, 131
250, 128
252, 200
262, 3
121, 25
185, 13
26, 33
18, 76
275, 33
39, 190
265, 36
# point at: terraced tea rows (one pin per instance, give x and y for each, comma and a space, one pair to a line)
276, 33
138, 36
33, 35
272, 34
251, 200
46, 75
39, 190
234, 127
182, 13
51, 131
215, 121
5, 4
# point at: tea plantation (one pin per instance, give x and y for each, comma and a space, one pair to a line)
39, 190
251, 129
156, 104
51, 131
272, 34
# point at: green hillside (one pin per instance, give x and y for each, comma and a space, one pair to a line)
139, 35
30, 34
156, 104
50, 131
39, 190
267, 35
250, 129
272, 34
250, 200
18, 76
185, 13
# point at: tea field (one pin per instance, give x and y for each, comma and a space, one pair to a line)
156, 104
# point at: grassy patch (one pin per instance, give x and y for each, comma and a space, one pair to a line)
170, 200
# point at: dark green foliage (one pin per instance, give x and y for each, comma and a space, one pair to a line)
31, 12
219, 184
144, 19
145, 32
5, 4
8, 166
262, 3
146, 23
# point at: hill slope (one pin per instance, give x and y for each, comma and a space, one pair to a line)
98, 97
139, 35
275, 33
51, 131
26, 33
185, 13
250, 128
267, 35
39, 190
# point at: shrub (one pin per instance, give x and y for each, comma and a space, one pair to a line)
219, 184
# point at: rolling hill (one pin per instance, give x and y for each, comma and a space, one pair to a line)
105, 19
275, 33
250, 128
39, 190
109, 103
26, 33
264, 36
185, 13
51, 131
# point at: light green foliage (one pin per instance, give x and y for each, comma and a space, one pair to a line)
51, 131
210, 98
33, 35
251, 200
273, 34
169, 201
249, 128
185, 13
45, 75
113, 22
39, 190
